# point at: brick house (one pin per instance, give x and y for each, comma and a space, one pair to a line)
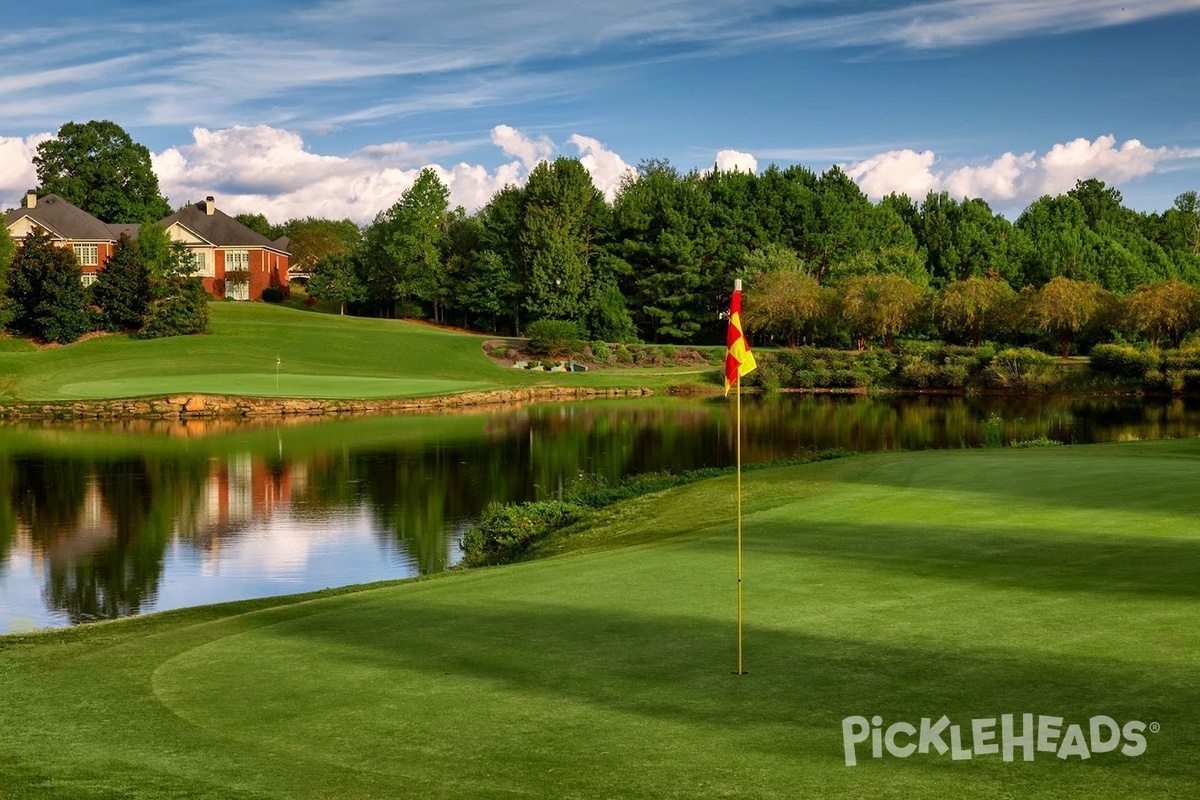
69, 226
233, 261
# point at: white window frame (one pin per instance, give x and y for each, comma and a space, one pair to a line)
200, 264
242, 257
88, 278
88, 255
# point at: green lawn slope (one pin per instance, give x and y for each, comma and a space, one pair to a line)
321, 356
1056, 582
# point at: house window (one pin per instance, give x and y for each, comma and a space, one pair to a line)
237, 260
200, 263
88, 278
88, 255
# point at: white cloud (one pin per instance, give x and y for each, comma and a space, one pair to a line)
517, 145
269, 170
607, 168
17, 174
1013, 179
901, 171
736, 161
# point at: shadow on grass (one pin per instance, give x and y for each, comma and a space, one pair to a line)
1008, 558
676, 669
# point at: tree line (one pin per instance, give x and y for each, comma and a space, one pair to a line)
823, 264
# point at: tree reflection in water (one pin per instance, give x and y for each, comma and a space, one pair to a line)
96, 510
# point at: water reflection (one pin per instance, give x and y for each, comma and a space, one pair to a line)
106, 521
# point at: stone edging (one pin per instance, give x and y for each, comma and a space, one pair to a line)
199, 406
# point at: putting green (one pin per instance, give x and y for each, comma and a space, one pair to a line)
256, 385
971, 584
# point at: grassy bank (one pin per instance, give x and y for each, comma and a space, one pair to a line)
1055, 582
321, 356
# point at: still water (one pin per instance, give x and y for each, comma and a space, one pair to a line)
102, 521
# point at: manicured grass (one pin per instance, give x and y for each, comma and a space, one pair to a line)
1056, 582
321, 355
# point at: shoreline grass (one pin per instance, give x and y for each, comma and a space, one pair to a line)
967, 583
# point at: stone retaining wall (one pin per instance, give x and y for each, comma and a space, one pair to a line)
198, 406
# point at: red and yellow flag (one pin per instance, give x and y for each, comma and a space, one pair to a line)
739, 360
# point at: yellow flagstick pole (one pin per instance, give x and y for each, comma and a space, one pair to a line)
738, 450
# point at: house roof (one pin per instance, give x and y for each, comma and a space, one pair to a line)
218, 228
130, 230
62, 219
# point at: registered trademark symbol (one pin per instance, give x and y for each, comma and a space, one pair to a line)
1155, 727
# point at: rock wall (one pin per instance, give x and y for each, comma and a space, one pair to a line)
198, 406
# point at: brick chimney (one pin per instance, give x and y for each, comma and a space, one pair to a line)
210, 205
31, 199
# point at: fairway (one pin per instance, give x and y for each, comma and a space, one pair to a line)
263, 350
972, 584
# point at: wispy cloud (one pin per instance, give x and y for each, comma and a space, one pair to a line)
426, 55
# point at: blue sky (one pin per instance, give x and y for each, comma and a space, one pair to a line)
331, 108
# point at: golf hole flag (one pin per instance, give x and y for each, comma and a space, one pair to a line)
739, 360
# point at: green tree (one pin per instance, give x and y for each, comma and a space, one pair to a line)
1065, 308
336, 278
878, 306
122, 289
499, 272
414, 239
46, 287
974, 308
259, 224
662, 233
561, 226
1166, 308
99, 168
8, 251
178, 303
786, 304
312, 239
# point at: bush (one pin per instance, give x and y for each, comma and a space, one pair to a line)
553, 337
600, 352
772, 373
991, 432
506, 532
1023, 368
622, 355
272, 294
1122, 362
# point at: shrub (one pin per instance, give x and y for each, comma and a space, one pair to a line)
600, 351
622, 355
1041, 441
272, 294
1023, 368
553, 337
506, 532
772, 374
1122, 361
646, 355
991, 432
668, 352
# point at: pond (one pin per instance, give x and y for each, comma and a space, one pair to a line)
108, 520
